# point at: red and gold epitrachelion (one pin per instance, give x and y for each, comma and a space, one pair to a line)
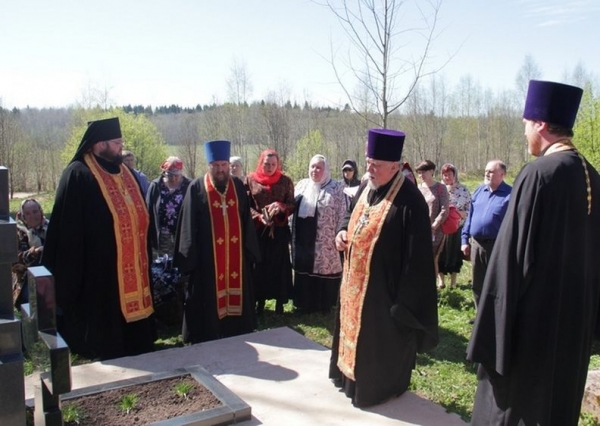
227, 247
130, 220
364, 229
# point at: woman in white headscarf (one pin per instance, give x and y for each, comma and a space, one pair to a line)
317, 265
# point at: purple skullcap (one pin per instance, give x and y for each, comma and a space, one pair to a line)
385, 144
217, 150
554, 103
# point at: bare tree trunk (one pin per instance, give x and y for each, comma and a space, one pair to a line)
376, 39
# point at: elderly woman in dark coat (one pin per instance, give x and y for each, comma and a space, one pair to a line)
164, 199
31, 234
316, 261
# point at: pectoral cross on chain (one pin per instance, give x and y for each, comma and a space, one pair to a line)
362, 222
223, 206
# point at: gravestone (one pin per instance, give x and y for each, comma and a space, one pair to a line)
12, 386
39, 316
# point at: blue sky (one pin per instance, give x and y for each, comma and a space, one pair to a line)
182, 51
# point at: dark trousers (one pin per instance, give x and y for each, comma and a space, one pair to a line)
481, 251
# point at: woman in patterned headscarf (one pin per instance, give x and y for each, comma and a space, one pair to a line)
272, 201
164, 199
316, 262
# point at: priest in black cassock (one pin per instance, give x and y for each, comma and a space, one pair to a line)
539, 305
388, 300
216, 246
97, 250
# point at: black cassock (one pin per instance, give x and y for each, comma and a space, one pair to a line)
195, 257
539, 305
399, 313
81, 253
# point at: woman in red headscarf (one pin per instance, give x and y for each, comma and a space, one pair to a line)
272, 201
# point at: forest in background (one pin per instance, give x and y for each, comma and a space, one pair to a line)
466, 125
384, 67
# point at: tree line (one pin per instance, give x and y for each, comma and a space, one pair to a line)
466, 125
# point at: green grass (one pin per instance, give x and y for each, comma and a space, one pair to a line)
128, 402
72, 413
442, 375
45, 199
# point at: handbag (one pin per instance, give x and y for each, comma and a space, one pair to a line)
450, 225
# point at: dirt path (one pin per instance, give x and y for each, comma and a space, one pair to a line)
22, 195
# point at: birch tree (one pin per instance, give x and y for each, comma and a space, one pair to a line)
389, 50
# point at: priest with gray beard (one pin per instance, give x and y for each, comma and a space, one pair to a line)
388, 301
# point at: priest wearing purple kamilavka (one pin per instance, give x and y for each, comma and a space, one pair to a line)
538, 309
388, 297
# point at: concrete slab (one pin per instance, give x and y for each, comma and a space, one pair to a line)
279, 373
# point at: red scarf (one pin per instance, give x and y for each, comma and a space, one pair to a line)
259, 174
265, 180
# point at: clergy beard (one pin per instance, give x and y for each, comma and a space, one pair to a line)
372, 184
220, 177
110, 156
534, 144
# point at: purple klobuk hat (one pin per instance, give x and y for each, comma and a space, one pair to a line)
385, 145
217, 151
554, 103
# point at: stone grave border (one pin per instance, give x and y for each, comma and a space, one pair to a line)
233, 409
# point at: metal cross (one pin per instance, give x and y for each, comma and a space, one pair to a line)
224, 206
362, 222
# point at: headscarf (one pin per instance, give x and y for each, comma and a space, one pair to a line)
98, 131
172, 165
34, 235
310, 194
236, 159
259, 174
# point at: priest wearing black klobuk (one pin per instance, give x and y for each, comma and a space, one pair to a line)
97, 250
388, 300
217, 246
538, 309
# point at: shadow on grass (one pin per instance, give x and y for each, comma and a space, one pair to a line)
451, 348
316, 326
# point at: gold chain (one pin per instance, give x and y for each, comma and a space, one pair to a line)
567, 144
